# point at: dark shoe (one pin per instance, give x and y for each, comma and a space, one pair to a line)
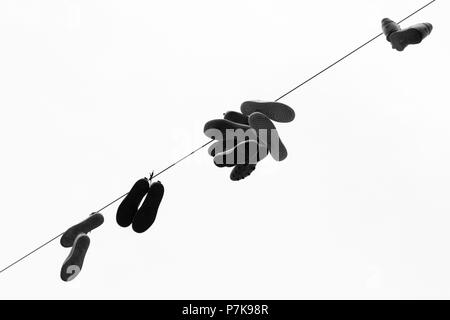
95, 220
146, 214
242, 171
389, 27
74, 262
412, 35
221, 146
275, 111
245, 152
129, 206
268, 135
236, 117
222, 129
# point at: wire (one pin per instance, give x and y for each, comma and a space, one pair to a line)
204, 145
417, 11
29, 254
329, 67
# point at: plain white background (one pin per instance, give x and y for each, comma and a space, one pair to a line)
96, 94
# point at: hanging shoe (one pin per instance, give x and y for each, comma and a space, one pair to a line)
246, 152
242, 171
95, 220
222, 146
275, 111
389, 27
74, 262
222, 129
268, 135
146, 214
413, 35
236, 117
129, 206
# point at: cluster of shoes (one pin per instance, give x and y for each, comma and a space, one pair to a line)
140, 217
247, 137
76, 238
401, 38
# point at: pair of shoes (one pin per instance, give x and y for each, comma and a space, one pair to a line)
399, 38
143, 217
260, 119
77, 238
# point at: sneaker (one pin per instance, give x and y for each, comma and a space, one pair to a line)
236, 117
242, 171
146, 214
129, 206
245, 152
275, 111
221, 146
95, 220
389, 27
268, 135
222, 129
74, 262
412, 35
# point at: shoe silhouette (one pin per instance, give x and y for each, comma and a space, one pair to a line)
222, 146
222, 129
245, 152
275, 111
227, 144
268, 135
74, 262
401, 38
95, 220
146, 214
389, 27
236, 117
129, 206
242, 171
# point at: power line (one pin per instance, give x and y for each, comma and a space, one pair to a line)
209, 142
31, 252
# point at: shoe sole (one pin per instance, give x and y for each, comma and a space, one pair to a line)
129, 206
146, 215
259, 121
275, 111
242, 171
94, 221
74, 263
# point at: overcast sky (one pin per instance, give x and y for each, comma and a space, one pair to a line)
96, 94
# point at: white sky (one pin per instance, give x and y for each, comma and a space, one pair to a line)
95, 94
